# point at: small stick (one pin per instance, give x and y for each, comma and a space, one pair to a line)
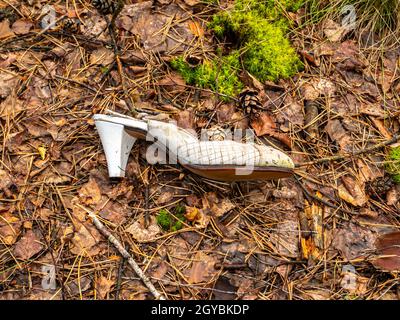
100, 226
395, 138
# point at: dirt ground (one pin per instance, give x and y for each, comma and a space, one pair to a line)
317, 235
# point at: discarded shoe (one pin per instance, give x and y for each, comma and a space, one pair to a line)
218, 160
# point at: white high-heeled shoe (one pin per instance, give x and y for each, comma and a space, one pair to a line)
218, 160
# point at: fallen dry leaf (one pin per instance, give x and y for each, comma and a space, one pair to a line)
103, 286
10, 228
388, 250
353, 241
27, 246
85, 240
5, 31
142, 234
352, 191
202, 268
22, 26
334, 31
218, 207
90, 192
316, 87
338, 134
265, 125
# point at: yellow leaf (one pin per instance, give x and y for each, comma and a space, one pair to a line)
192, 213
42, 152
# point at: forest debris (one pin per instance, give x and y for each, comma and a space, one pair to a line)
103, 286
102, 56
353, 241
28, 246
8, 82
22, 26
142, 234
139, 19
285, 239
5, 30
202, 268
85, 241
388, 250
265, 125
10, 228
78, 285
311, 121
90, 192
217, 206
352, 191
313, 88
338, 134
334, 31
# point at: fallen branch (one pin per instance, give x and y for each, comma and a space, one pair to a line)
100, 226
395, 138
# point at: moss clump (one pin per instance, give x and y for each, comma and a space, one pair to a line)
220, 75
393, 167
260, 28
169, 222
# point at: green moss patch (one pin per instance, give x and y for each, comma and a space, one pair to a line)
169, 222
258, 32
393, 166
219, 75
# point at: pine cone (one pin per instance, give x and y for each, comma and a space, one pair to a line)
104, 7
70, 25
250, 102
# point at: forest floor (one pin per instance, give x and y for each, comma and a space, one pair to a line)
313, 236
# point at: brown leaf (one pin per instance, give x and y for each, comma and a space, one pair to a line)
10, 228
337, 133
317, 87
5, 31
103, 286
142, 234
102, 56
334, 31
28, 246
22, 26
8, 82
85, 240
388, 249
202, 268
356, 194
353, 241
217, 206
285, 238
265, 125
90, 192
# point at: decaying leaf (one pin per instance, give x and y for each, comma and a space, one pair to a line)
90, 193
202, 268
85, 241
352, 191
10, 228
265, 125
316, 87
353, 241
337, 133
28, 246
334, 31
388, 252
142, 234
103, 286
218, 207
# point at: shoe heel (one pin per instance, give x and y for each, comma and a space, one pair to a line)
117, 145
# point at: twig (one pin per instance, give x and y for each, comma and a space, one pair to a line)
100, 226
395, 138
